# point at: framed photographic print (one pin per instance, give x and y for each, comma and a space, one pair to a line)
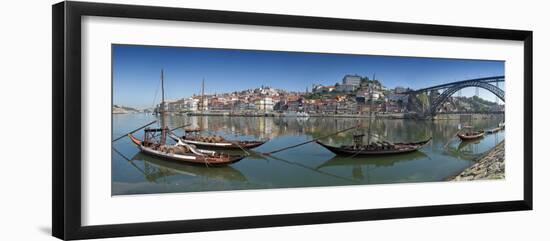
217, 120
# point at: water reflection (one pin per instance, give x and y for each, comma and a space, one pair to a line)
375, 161
360, 168
157, 170
471, 149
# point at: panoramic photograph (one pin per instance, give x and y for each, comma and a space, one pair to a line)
189, 119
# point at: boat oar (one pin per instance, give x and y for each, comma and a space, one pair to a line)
237, 144
132, 163
131, 132
303, 143
186, 125
450, 139
312, 169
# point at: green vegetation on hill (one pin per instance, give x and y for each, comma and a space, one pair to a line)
330, 95
479, 104
123, 109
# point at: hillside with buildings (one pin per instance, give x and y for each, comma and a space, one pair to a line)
353, 95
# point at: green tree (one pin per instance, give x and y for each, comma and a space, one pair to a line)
424, 100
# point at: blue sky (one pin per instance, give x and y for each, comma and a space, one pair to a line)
136, 71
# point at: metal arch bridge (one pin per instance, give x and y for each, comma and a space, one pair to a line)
451, 88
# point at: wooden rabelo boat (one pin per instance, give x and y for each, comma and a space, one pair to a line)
375, 148
470, 135
218, 142
184, 153
181, 152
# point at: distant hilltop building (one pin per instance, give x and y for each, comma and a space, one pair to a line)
350, 83
354, 80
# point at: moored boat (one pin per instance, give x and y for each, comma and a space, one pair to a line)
375, 148
471, 135
218, 142
185, 153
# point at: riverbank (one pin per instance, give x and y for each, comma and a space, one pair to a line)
474, 116
489, 166
276, 114
381, 115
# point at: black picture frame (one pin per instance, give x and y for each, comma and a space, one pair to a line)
66, 76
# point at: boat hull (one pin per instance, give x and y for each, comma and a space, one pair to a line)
403, 148
224, 145
189, 158
465, 137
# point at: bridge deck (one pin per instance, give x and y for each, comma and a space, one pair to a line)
447, 85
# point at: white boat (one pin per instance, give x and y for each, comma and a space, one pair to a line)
297, 114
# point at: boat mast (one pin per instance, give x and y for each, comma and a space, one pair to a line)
162, 111
162, 85
202, 96
370, 109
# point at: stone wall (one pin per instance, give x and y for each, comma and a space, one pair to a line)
488, 166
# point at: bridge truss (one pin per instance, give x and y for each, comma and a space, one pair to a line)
451, 88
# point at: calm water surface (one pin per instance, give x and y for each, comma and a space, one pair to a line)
309, 165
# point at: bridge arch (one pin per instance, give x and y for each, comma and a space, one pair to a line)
450, 91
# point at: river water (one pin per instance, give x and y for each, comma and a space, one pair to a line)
309, 165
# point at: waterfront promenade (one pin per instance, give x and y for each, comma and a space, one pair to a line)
383, 115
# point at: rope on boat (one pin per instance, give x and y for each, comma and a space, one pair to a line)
192, 149
356, 153
237, 143
174, 136
309, 168
186, 125
313, 140
206, 163
132, 163
131, 132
